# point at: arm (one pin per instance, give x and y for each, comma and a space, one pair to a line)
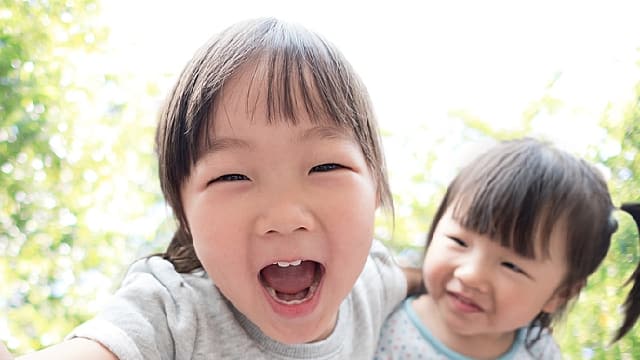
410, 261
415, 285
77, 348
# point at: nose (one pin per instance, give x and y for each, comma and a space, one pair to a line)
473, 273
284, 212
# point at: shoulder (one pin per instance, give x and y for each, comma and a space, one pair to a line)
382, 264
155, 279
380, 253
157, 273
382, 283
403, 337
378, 289
399, 322
157, 268
156, 311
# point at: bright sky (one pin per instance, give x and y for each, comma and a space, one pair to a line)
423, 59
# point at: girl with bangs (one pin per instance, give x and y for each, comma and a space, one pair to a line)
515, 238
270, 158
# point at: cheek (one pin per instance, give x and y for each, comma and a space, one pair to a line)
439, 262
213, 233
350, 226
431, 268
351, 209
218, 236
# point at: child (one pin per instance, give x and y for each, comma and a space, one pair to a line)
269, 156
514, 239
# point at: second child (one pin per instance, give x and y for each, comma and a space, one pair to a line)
515, 238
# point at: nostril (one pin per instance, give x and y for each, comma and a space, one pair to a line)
284, 220
274, 231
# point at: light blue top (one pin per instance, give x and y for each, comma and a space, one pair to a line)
404, 336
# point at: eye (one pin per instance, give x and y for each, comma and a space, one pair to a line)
458, 241
513, 267
326, 167
229, 178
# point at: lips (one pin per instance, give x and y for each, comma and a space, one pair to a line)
463, 303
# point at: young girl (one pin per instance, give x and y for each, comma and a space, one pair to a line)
269, 156
515, 238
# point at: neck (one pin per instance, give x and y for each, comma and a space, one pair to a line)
478, 346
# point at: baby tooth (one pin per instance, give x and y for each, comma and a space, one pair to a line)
287, 264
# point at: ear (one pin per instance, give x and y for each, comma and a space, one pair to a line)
561, 297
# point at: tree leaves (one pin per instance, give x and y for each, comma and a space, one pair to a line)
64, 171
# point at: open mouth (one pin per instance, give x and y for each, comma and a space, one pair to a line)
292, 283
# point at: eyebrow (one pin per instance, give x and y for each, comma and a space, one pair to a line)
325, 132
317, 132
215, 145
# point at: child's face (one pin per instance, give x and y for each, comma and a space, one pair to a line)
299, 195
479, 288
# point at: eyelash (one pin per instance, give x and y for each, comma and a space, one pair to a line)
239, 177
513, 267
229, 178
326, 167
458, 241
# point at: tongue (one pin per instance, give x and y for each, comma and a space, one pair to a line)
291, 279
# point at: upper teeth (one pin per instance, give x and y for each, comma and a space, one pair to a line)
287, 263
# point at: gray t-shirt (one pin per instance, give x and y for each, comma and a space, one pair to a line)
161, 314
404, 336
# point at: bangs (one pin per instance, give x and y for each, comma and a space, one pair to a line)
515, 195
293, 88
306, 73
511, 220
300, 75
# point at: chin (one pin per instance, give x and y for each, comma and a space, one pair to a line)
293, 335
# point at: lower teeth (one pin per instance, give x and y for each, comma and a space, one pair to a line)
309, 293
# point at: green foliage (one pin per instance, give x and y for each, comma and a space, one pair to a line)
64, 170
593, 321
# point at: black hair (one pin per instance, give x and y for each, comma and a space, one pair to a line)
519, 190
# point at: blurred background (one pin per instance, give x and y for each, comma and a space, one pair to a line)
81, 82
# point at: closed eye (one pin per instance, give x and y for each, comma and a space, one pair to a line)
229, 178
458, 241
326, 167
513, 267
